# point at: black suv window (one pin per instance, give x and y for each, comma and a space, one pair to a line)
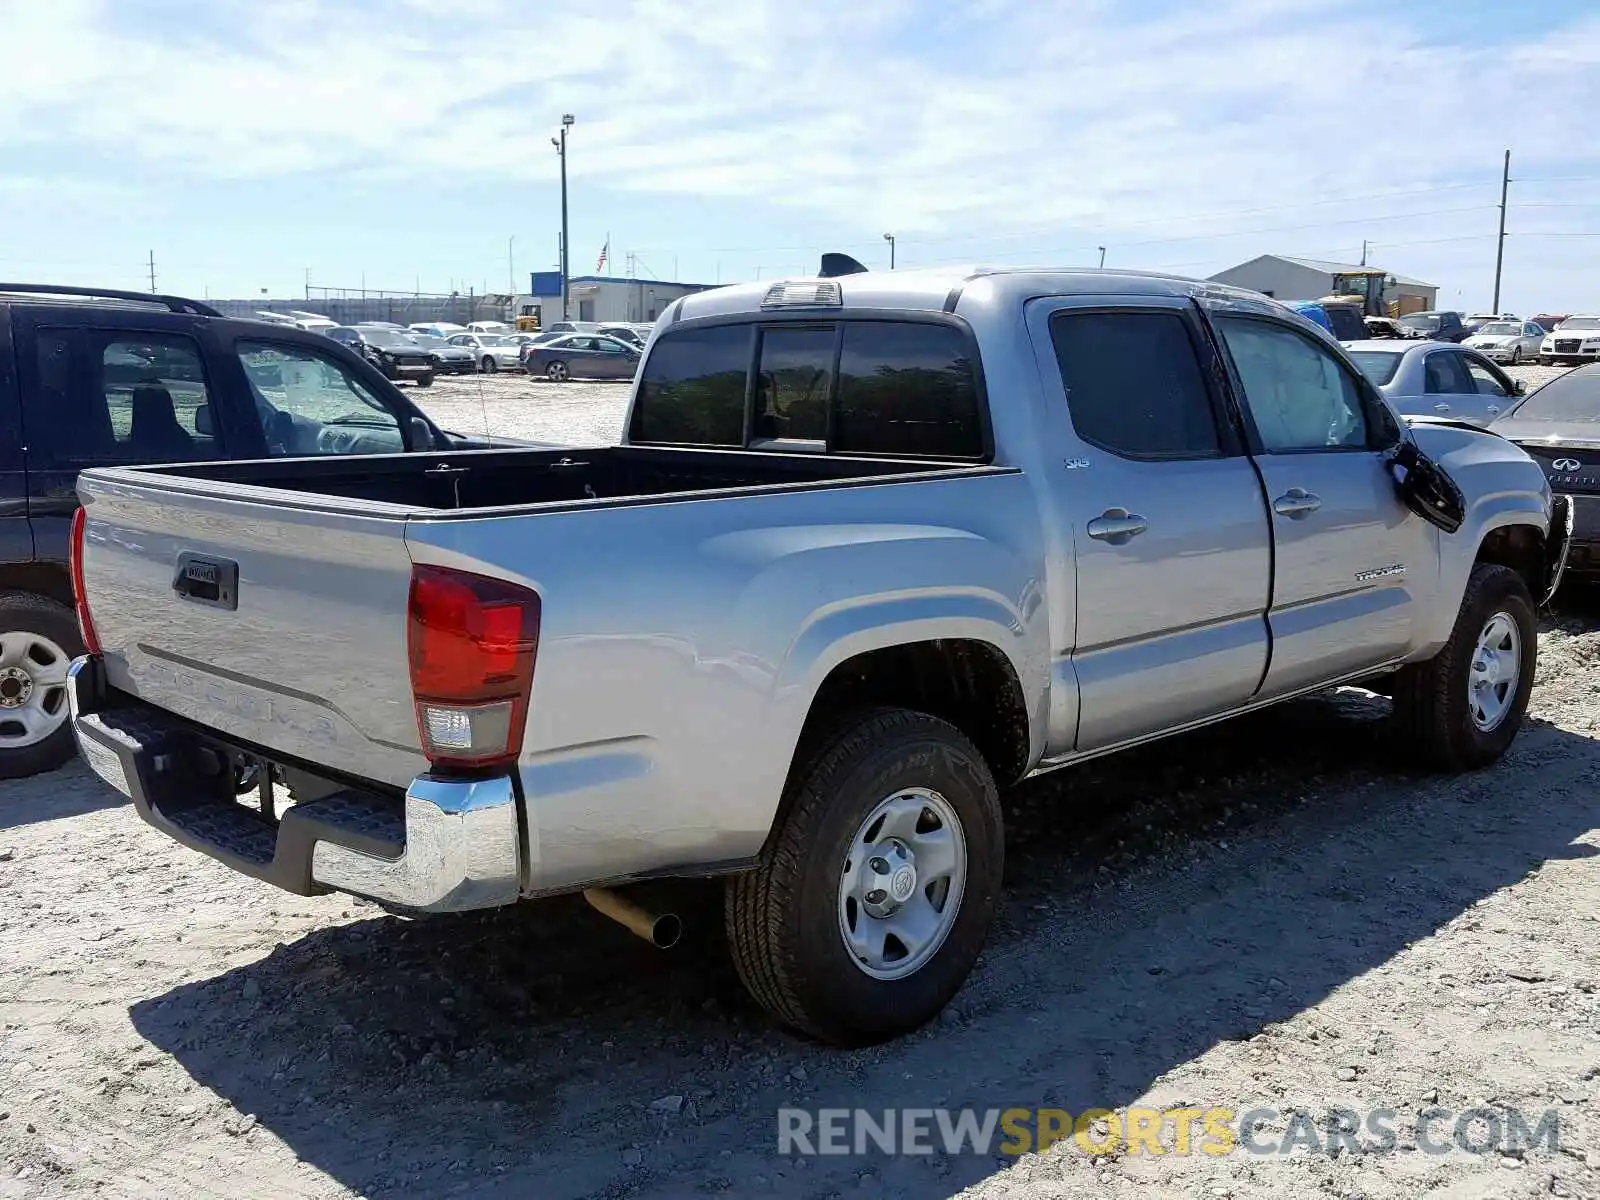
902, 388
118, 397
1134, 384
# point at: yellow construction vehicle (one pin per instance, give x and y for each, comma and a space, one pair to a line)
1364, 289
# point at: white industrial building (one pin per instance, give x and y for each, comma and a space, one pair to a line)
601, 297
1286, 278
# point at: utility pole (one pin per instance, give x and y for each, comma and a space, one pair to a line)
1364, 251
511, 265
152, 270
889, 237
308, 285
1500, 242
1102, 250
566, 241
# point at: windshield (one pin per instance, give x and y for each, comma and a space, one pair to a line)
1574, 396
1502, 328
494, 339
427, 340
1579, 323
1377, 365
388, 338
1426, 322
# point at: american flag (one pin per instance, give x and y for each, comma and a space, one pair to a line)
605, 252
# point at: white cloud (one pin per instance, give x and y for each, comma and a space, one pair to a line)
939, 120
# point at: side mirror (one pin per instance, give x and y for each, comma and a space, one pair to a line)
421, 435
202, 421
1519, 387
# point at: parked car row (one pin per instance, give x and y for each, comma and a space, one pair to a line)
419, 352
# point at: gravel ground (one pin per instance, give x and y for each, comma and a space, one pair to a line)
1271, 913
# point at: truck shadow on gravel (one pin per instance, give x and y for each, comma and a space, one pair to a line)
71, 791
1157, 904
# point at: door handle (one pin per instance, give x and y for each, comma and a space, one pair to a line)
1296, 503
1494, 408
1441, 408
1117, 525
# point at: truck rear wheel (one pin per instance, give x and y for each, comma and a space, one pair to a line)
874, 898
38, 641
1462, 708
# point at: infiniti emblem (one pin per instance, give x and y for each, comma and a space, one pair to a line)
1566, 464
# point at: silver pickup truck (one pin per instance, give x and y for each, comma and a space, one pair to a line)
873, 547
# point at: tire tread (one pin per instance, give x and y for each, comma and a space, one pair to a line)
758, 900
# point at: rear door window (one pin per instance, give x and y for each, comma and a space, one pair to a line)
1446, 374
107, 397
1134, 384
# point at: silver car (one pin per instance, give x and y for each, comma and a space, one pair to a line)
1507, 341
1436, 379
493, 351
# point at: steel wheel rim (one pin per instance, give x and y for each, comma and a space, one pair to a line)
901, 885
1494, 673
33, 689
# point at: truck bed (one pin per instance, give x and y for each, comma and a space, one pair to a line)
520, 478
268, 599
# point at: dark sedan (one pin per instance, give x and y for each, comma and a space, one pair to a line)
581, 356
447, 359
1559, 426
397, 355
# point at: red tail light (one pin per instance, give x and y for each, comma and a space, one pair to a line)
80, 601
472, 642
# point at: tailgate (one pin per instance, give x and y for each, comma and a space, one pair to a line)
276, 621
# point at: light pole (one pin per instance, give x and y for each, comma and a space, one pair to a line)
511, 265
889, 237
561, 149
1102, 250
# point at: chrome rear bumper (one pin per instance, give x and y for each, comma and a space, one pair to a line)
449, 845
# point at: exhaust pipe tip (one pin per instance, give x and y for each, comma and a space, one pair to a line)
666, 931
662, 930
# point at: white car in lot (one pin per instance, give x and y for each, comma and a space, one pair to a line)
494, 351
1575, 340
1507, 341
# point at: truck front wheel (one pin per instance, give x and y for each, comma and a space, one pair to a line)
874, 898
1462, 708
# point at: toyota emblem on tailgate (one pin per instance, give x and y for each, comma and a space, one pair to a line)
1566, 464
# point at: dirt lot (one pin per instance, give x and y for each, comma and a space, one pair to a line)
1268, 914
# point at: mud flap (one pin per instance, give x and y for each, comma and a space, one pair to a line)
1557, 544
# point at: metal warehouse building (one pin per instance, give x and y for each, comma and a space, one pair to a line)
1285, 278
601, 297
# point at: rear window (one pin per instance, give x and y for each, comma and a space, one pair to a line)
691, 391
1377, 365
907, 389
1347, 325
890, 388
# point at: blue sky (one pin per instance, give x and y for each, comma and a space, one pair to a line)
403, 143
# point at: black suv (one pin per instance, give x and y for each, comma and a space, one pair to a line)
396, 354
90, 377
